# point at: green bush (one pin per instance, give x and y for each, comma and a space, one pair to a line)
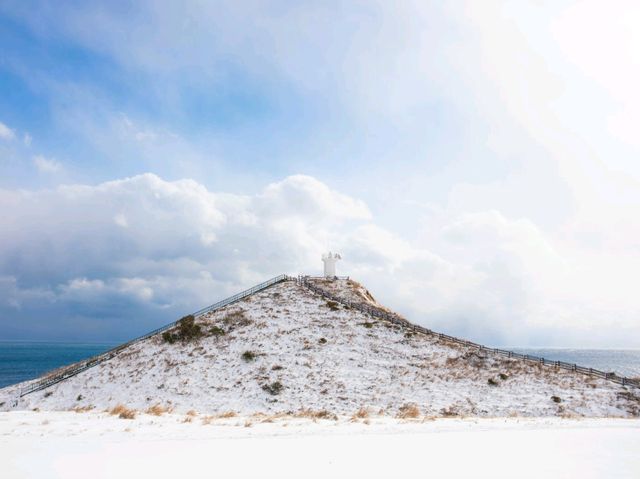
503, 376
492, 382
274, 388
556, 399
185, 330
168, 337
322, 341
217, 331
248, 356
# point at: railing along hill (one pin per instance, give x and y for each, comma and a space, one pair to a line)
77, 368
306, 282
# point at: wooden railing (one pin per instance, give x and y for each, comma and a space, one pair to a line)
306, 281
77, 368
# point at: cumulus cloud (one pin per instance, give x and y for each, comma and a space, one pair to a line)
124, 256
6, 133
46, 165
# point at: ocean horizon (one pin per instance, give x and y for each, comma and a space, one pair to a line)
22, 360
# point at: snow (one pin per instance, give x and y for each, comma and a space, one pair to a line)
330, 358
79, 445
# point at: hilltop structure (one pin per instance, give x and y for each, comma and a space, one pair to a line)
329, 261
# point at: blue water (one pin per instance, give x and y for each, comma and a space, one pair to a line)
22, 360
624, 362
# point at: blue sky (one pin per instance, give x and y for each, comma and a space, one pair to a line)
475, 163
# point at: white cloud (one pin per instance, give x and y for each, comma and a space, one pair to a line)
140, 246
46, 165
6, 133
27, 139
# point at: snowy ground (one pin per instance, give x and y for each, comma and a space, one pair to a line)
96, 445
311, 354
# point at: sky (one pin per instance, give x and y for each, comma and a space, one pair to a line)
475, 163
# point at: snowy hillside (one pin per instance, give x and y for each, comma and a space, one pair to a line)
286, 349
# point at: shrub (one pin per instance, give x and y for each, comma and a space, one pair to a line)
492, 382
556, 399
322, 341
503, 376
167, 337
80, 397
186, 330
216, 331
48, 393
367, 325
248, 356
276, 367
274, 388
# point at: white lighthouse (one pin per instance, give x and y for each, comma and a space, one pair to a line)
330, 264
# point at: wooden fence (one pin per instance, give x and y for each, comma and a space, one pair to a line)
77, 368
306, 281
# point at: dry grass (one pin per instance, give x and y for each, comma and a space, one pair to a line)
192, 413
206, 420
361, 413
227, 415
157, 410
408, 411
80, 409
122, 412
311, 414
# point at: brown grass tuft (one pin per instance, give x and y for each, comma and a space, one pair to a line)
122, 412
206, 420
361, 413
408, 411
311, 414
156, 410
228, 414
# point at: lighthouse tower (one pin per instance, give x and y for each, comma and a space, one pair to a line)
330, 264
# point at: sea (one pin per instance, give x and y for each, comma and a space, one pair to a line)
23, 360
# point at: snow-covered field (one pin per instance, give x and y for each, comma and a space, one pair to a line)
96, 445
286, 349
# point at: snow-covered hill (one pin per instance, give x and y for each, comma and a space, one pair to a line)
286, 349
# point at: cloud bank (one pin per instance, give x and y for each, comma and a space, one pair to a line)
115, 259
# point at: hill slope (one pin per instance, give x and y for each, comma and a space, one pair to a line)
285, 349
